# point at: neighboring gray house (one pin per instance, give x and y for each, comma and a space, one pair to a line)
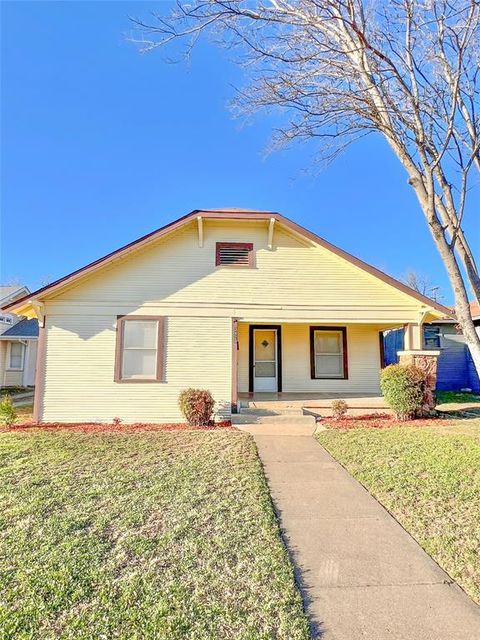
18, 342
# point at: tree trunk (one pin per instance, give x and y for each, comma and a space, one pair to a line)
447, 253
472, 338
471, 272
462, 305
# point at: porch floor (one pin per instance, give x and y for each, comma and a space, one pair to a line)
319, 403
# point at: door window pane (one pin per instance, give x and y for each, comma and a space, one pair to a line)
264, 369
264, 345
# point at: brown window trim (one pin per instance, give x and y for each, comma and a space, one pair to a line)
343, 330
221, 245
160, 374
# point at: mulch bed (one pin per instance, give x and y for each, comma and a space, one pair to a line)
100, 427
378, 421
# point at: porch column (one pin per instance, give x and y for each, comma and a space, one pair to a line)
234, 402
40, 371
413, 336
26, 363
427, 361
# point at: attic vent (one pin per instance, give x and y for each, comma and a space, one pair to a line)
234, 254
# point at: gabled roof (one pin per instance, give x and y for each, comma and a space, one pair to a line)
27, 329
9, 291
226, 214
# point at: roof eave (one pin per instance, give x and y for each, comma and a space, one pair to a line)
24, 306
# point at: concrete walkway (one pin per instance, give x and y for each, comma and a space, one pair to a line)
361, 574
23, 399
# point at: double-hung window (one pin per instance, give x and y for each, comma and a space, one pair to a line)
140, 349
431, 337
328, 352
17, 352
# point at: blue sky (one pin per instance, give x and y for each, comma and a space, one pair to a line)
101, 144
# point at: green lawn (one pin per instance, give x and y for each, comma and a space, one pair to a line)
12, 391
429, 479
25, 413
448, 397
140, 535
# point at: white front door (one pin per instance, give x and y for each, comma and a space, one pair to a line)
265, 366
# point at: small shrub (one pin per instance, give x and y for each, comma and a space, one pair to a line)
116, 421
8, 413
339, 409
197, 406
403, 387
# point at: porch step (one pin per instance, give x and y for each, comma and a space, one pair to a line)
267, 411
288, 419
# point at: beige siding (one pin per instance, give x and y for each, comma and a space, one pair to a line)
31, 363
13, 378
177, 270
8, 377
3, 361
295, 282
363, 360
80, 366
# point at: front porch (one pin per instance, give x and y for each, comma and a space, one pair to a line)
316, 404
308, 364
297, 368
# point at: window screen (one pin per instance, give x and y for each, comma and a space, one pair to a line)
16, 355
328, 349
431, 337
140, 349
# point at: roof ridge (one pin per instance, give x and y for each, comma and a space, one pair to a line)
230, 214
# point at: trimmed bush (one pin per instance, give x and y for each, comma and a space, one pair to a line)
403, 387
197, 406
339, 409
8, 413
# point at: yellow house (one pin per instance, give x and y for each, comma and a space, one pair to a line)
235, 301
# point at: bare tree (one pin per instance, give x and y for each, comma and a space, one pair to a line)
343, 69
423, 284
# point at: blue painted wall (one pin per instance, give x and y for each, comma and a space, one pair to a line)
455, 365
392, 342
473, 375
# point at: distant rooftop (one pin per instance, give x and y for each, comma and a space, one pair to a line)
23, 329
7, 289
10, 292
